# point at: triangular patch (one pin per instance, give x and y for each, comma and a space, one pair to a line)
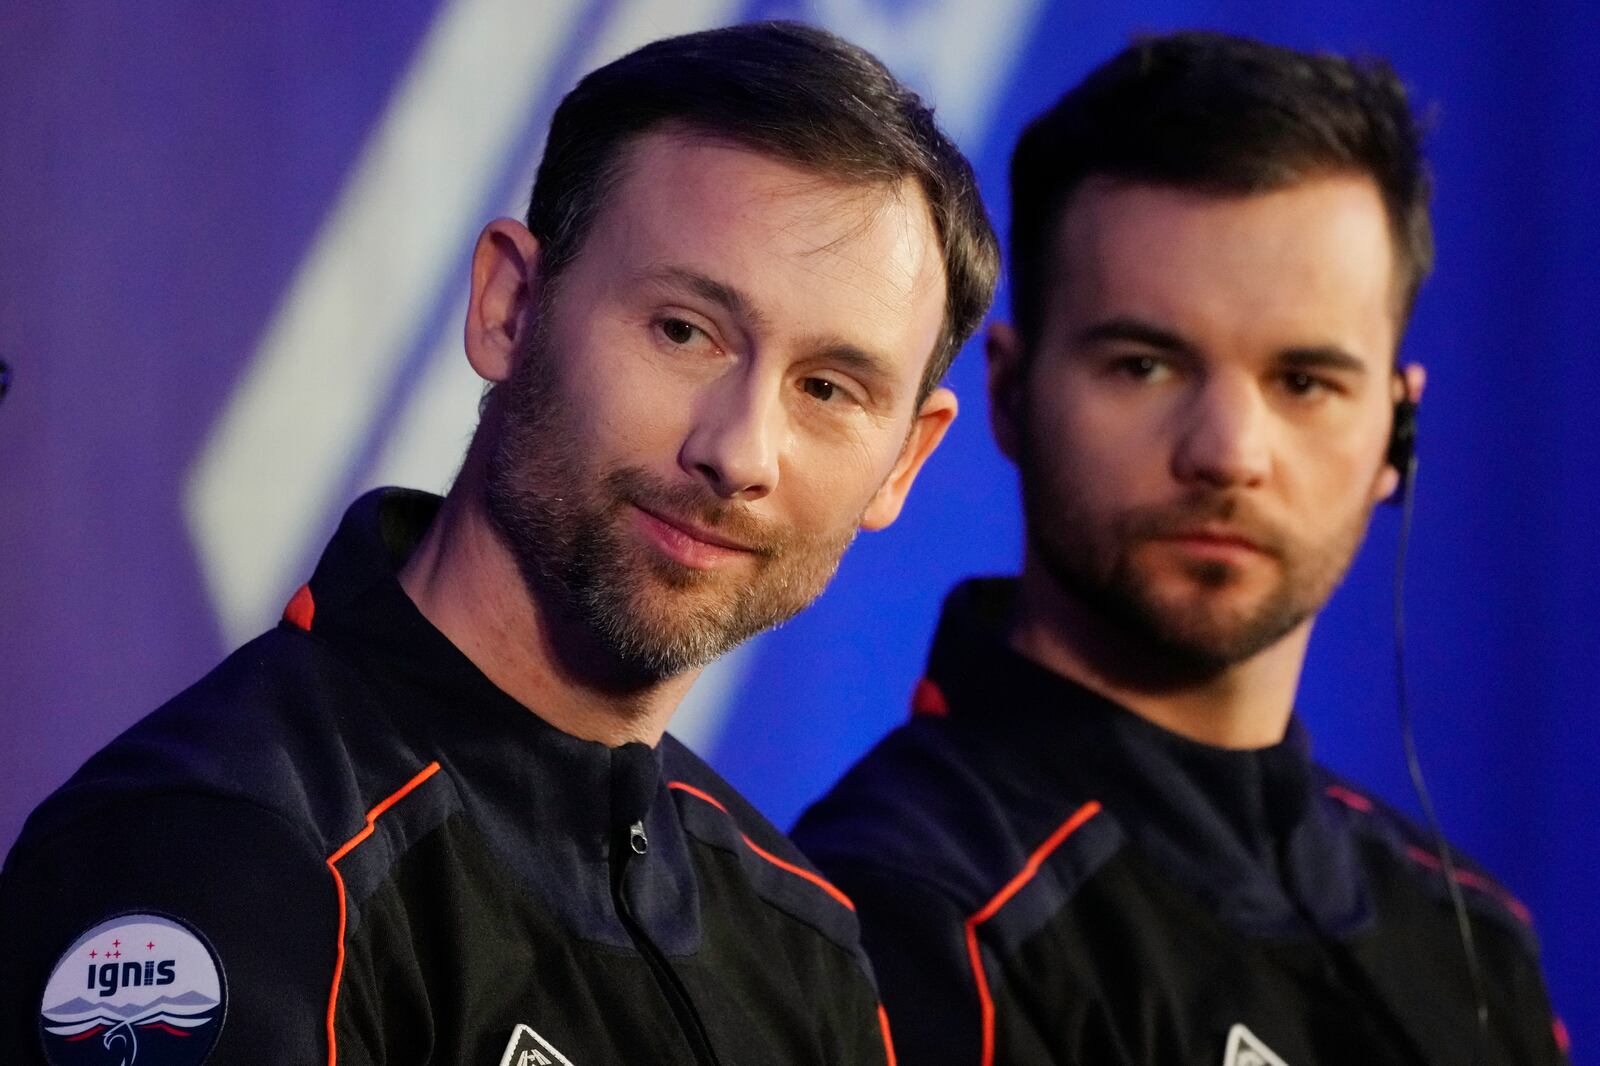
1246, 1049
528, 1048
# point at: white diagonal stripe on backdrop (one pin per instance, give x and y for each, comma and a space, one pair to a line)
275, 458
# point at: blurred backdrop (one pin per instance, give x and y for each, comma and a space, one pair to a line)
233, 242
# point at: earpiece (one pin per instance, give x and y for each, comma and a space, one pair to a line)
1402, 454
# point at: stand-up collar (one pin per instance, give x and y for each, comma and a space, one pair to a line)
361, 608
1246, 831
518, 773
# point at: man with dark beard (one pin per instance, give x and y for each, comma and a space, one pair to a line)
1101, 838
434, 816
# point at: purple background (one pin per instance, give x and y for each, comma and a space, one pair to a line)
165, 169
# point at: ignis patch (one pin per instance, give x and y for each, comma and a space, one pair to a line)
138, 988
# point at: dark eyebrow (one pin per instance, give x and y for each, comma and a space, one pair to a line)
1135, 331
720, 293
1322, 357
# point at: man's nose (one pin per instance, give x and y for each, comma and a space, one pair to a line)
734, 442
1226, 436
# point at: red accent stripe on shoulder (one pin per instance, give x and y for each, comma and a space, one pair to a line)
990, 909
1468, 879
929, 699
788, 867
1350, 798
349, 845
888, 1041
1557, 1027
301, 609
1424, 857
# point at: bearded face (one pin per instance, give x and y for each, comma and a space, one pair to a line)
566, 515
1198, 613
714, 394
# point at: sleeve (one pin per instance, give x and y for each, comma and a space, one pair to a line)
916, 939
110, 917
1534, 1033
860, 1021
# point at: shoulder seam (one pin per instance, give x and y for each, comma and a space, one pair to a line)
1413, 851
981, 893
782, 864
1080, 817
332, 861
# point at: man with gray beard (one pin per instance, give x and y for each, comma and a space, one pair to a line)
1102, 838
435, 817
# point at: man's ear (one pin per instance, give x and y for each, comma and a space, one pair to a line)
933, 419
1415, 377
1003, 347
505, 280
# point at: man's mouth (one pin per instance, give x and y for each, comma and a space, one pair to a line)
1218, 538
688, 542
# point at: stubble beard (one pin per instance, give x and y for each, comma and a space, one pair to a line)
563, 521
1191, 636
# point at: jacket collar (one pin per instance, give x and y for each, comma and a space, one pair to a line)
1246, 832
436, 696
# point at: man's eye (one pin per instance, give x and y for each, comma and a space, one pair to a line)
1140, 367
820, 389
1299, 383
678, 331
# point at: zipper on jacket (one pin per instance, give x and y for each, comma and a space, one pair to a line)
635, 843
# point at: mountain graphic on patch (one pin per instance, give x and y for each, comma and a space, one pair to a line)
140, 989
77, 1016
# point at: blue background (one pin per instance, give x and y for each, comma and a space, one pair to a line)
164, 170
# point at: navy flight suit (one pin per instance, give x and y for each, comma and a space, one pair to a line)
347, 846
1044, 877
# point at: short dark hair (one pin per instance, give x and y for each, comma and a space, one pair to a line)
786, 90
1223, 114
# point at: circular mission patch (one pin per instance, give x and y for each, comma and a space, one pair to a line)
137, 988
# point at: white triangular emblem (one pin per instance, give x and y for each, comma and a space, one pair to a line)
528, 1048
1246, 1049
